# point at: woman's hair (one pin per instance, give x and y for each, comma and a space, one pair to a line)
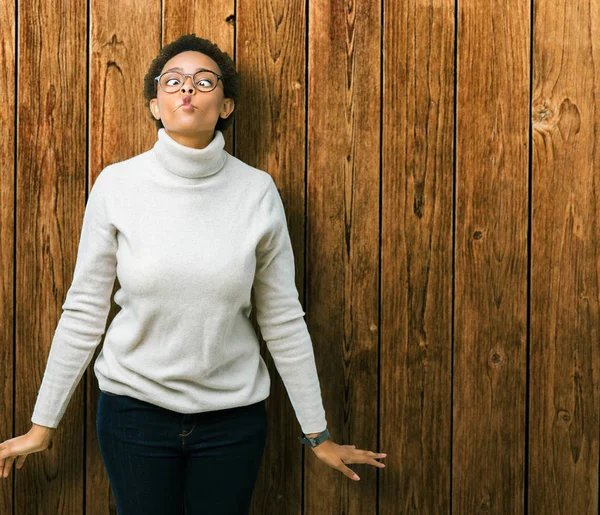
184, 43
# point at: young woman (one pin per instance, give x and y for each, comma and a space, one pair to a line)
189, 230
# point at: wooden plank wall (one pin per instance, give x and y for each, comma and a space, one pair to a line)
565, 255
439, 162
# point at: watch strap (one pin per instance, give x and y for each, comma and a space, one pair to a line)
313, 442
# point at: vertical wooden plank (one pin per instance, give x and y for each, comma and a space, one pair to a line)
491, 257
565, 260
120, 127
416, 261
344, 75
120, 124
50, 205
270, 136
7, 219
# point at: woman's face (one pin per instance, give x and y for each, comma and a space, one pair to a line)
206, 107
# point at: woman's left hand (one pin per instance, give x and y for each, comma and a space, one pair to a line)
336, 456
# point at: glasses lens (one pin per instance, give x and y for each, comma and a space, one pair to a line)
203, 81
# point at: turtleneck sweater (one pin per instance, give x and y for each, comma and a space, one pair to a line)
189, 233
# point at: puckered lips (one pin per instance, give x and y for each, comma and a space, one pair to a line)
186, 103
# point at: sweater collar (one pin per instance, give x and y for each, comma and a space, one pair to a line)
190, 162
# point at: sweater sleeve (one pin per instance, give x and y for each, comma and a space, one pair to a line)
85, 309
280, 316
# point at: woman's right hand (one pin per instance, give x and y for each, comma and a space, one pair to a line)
37, 439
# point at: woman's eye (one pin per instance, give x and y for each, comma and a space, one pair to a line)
171, 82
208, 82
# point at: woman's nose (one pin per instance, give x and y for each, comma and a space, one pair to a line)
191, 87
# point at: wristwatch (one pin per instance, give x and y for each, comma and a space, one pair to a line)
313, 442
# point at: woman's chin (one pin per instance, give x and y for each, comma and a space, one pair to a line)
189, 126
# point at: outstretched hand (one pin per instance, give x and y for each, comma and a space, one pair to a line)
336, 456
39, 438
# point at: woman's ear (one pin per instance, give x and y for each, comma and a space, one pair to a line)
154, 108
227, 107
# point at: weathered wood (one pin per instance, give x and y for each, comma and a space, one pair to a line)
565, 259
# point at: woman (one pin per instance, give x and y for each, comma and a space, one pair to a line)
189, 230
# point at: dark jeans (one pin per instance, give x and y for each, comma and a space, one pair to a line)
161, 462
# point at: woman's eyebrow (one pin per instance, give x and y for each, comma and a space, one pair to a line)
198, 70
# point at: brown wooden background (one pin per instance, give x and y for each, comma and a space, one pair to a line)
440, 165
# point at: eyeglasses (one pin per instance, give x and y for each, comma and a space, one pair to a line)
203, 80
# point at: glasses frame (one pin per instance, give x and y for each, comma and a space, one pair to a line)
191, 76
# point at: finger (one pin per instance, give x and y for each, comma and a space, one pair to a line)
370, 454
7, 465
358, 456
377, 455
348, 472
20, 460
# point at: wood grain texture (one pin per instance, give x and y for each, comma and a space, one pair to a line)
8, 68
490, 297
416, 257
565, 259
343, 240
50, 201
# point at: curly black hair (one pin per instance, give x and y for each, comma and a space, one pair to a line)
231, 79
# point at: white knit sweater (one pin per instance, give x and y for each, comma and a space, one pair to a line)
188, 232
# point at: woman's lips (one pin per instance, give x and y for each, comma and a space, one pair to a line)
187, 107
